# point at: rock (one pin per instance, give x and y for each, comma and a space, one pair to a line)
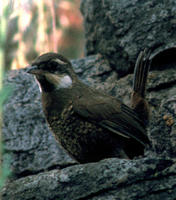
120, 29
108, 179
95, 71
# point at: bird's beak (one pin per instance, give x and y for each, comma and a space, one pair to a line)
33, 70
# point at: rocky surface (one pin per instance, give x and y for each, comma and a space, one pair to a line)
108, 179
42, 170
120, 29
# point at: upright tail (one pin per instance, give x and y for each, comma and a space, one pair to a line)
138, 102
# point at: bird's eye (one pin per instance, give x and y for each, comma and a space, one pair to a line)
56, 67
41, 66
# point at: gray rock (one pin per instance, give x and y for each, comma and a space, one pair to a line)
120, 29
108, 179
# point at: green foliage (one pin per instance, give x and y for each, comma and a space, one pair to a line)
4, 91
5, 163
5, 169
3, 20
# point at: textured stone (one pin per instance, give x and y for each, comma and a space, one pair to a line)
120, 29
108, 179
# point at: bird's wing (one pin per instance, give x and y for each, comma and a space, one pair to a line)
112, 115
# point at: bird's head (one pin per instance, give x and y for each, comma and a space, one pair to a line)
52, 71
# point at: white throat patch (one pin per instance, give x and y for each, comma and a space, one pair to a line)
59, 82
65, 82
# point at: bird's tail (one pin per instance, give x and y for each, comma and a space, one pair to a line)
138, 102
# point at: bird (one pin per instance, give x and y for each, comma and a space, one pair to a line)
89, 124
138, 101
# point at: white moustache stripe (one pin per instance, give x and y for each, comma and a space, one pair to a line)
38, 85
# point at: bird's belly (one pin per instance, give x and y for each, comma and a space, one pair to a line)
83, 140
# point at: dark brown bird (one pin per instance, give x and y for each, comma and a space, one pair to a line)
138, 102
89, 125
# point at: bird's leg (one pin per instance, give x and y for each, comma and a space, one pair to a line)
138, 102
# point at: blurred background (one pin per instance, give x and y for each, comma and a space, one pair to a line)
33, 27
